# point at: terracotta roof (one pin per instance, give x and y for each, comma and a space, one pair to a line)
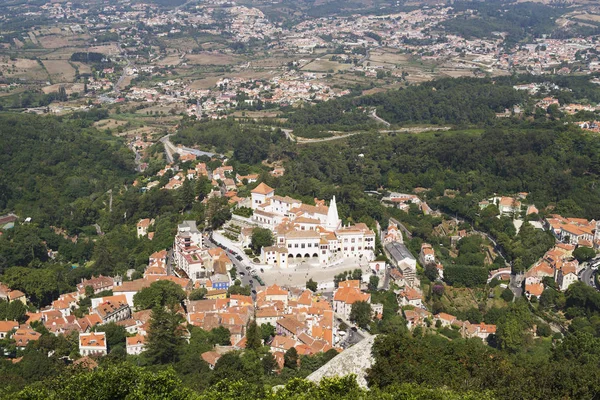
275, 290
446, 317
263, 188
15, 294
135, 340
535, 289
283, 342
411, 294
291, 324
94, 339
350, 295
211, 357
7, 326
24, 335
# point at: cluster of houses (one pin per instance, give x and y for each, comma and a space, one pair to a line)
403, 201
510, 206
307, 232
423, 318
223, 180
558, 263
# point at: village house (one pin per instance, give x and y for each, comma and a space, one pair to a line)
112, 308
211, 358
446, 320
410, 297
6, 327
136, 344
416, 317
98, 284
142, 227
427, 254
23, 335
93, 343
347, 294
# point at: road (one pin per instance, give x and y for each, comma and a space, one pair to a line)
123, 75
587, 276
243, 270
373, 114
170, 149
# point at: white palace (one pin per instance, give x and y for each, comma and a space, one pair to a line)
306, 232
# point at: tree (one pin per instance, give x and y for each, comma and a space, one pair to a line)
164, 337
115, 334
261, 237
360, 313
311, 285
267, 332
290, 358
186, 195
221, 336
269, 364
507, 295
253, 336
16, 311
582, 253
373, 282
509, 335
431, 272
197, 294
203, 187
159, 293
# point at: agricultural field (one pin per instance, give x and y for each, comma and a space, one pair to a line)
108, 49
324, 65
210, 59
22, 68
60, 70
172, 59
69, 88
389, 57
53, 41
83, 68
181, 44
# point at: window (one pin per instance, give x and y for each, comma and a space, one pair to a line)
303, 245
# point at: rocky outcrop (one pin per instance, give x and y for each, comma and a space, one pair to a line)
355, 360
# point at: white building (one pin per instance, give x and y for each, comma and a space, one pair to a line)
93, 343
346, 295
187, 250
136, 344
308, 232
142, 227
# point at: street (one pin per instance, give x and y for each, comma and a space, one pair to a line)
587, 276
